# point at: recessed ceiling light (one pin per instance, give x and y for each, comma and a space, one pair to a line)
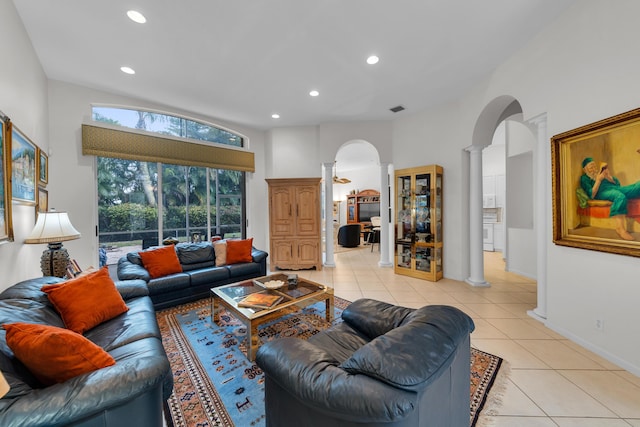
372, 60
275, 116
314, 93
127, 70
136, 16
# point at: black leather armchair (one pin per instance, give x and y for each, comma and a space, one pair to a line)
349, 235
384, 365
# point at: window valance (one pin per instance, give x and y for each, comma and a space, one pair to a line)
134, 145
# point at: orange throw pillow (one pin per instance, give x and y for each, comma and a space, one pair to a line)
239, 251
86, 301
52, 354
161, 261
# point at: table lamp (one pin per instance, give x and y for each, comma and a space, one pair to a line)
53, 227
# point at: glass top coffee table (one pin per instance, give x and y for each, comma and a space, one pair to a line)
303, 294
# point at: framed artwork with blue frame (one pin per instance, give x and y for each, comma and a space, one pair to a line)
23, 168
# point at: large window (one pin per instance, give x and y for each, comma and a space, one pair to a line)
194, 203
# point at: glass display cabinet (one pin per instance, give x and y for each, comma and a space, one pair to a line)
418, 222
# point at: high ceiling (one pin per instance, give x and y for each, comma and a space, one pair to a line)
241, 61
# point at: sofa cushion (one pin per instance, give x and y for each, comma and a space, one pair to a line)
195, 253
244, 269
192, 267
220, 248
340, 341
134, 258
239, 251
169, 283
209, 276
86, 301
388, 316
411, 356
54, 354
139, 323
30, 289
161, 261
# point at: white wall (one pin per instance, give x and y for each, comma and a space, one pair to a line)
521, 189
23, 97
72, 175
579, 70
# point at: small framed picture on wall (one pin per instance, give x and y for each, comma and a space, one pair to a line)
43, 167
43, 201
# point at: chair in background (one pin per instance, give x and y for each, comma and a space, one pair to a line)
375, 232
349, 235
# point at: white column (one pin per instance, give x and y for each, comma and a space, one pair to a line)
476, 256
543, 164
385, 231
329, 260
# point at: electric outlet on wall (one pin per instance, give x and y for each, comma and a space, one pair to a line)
600, 324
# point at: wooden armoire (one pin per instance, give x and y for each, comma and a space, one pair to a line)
295, 232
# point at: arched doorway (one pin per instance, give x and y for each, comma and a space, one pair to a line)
358, 162
529, 215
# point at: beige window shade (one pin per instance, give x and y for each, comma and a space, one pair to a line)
123, 144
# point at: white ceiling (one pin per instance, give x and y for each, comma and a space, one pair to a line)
242, 60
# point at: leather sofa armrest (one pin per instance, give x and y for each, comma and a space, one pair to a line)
90, 394
310, 374
132, 288
130, 271
258, 255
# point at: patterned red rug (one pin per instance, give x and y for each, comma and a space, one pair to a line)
202, 354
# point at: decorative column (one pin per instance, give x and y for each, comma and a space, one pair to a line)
329, 260
543, 164
385, 231
476, 256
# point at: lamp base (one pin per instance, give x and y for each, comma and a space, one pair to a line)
54, 260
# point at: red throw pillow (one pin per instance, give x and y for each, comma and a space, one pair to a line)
239, 251
86, 301
52, 354
161, 261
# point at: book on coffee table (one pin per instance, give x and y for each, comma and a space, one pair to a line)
259, 300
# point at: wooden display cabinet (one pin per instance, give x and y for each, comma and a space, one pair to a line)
418, 222
365, 202
294, 223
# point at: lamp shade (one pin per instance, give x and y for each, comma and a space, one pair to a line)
51, 227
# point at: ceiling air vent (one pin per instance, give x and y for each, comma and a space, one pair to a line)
397, 109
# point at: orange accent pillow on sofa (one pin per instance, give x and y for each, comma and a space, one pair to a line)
86, 301
52, 354
239, 251
161, 261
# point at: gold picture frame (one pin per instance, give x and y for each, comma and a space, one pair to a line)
42, 204
6, 226
596, 185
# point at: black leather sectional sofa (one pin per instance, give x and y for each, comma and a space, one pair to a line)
129, 393
199, 273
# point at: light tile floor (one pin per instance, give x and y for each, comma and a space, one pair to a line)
551, 381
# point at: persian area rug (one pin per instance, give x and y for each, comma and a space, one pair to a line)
215, 384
